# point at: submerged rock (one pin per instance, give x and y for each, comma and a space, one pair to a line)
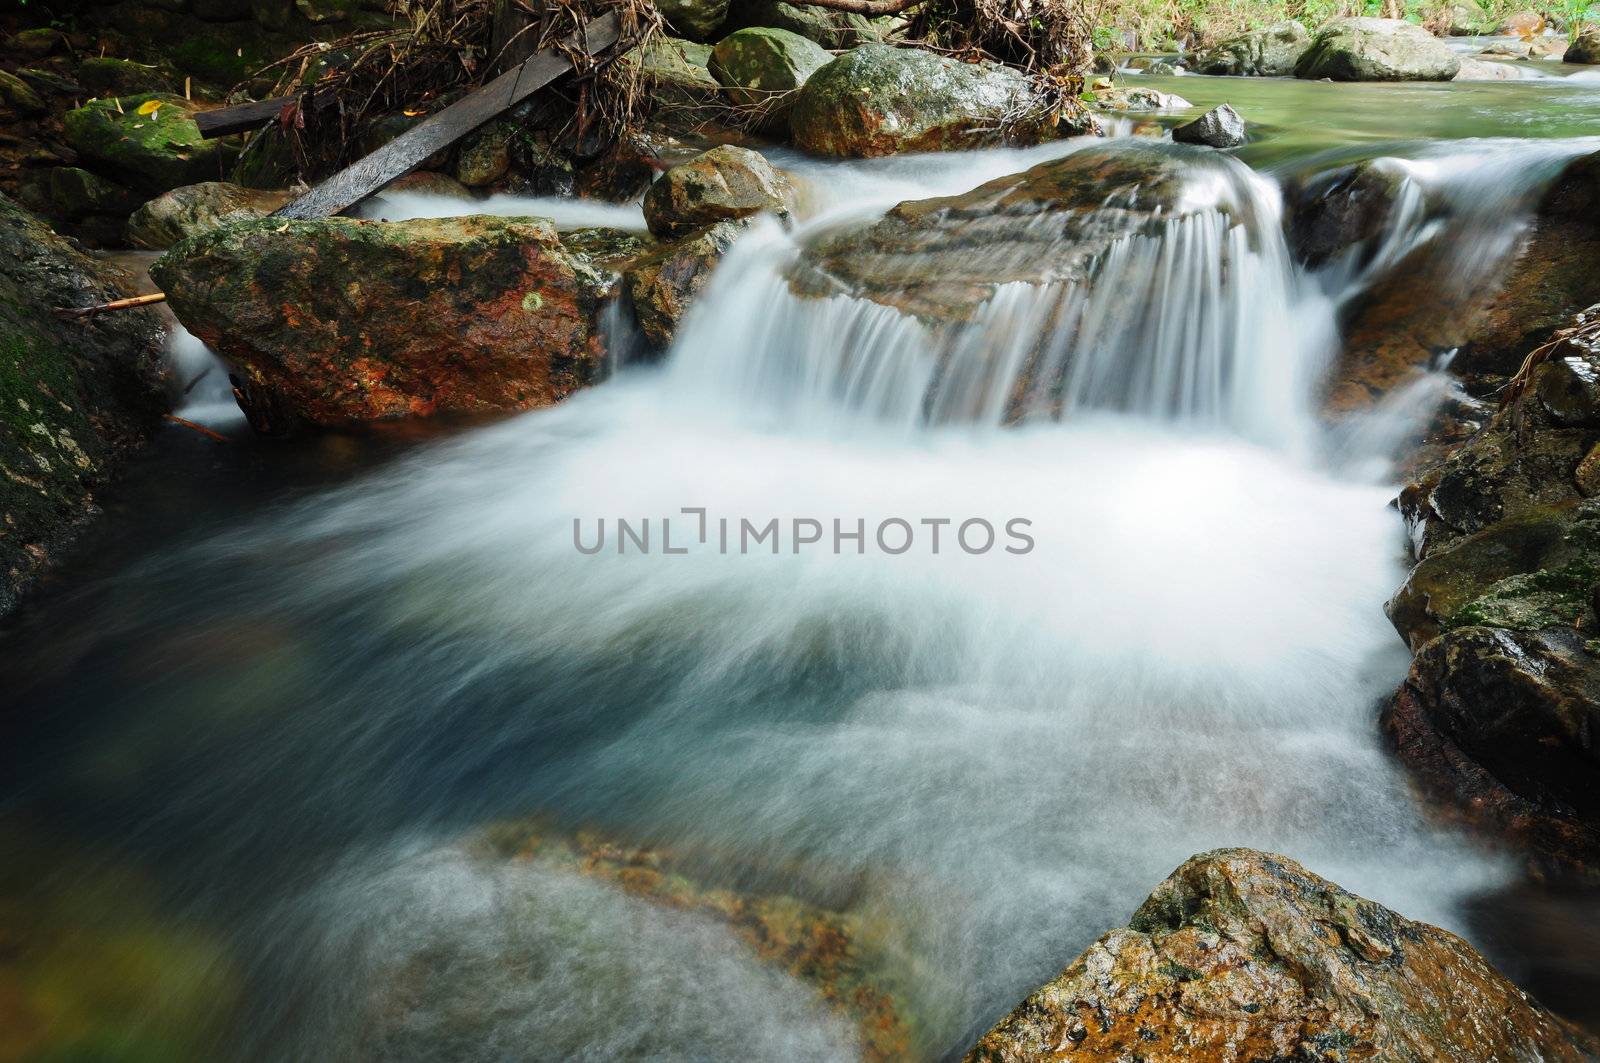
663, 282
1220, 127
1243, 955
878, 100
1342, 210
151, 142
1271, 51
341, 321
1377, 49
194, 209
1585, 45
724, 183
74, 395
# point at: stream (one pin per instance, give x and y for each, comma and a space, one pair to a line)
259, 725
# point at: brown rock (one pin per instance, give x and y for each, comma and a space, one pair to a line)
724, 183
664, 282
1243, 956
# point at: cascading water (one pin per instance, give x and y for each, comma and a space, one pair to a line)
987, 757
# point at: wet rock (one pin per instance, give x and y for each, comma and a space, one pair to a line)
724, 183
1509, 50
1377, 49
877, 100
1220, 127
1271, 51
1479, 70
194, 209
17, 95
939, 259
1341, 210
1243, 955
485, 156
427, 183
624, 171
1585, 45
1138, 98
75, 396
664, 282
76, 193
831, 29
105, 76
343, 321
762, 67
698, 20
157, 150
1497, 723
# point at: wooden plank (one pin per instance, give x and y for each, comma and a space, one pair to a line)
407, 151
513, 37
222, 121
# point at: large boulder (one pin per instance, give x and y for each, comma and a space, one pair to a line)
760, 68
75, 396
1271, 51
664, 282
1499, 714
341, 321
1585, 45
831, 29
698, 20
194, 209
877, 100
1377, 49
150, 141
724, 183
1243, 955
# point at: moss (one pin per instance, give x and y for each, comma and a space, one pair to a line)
157, 151
1550, 597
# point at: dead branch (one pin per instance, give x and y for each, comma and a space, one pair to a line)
130, 303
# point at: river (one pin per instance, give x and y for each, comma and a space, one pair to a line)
262, 721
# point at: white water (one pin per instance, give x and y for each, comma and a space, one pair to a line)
993, 756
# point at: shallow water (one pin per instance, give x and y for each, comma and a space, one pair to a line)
282, 686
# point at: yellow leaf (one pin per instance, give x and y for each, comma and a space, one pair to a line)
150, 107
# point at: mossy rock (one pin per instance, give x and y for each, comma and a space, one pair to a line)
698, 20
18, 95
155, 151
831, 29
105, 76
75, 193
760, 68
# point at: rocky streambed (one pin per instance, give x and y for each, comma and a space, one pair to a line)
297, 699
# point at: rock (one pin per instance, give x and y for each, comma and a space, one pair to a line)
1585, 45
105, 76
831, 29
19, 96
724, 183
624, 172
1509, 50
1457, 18
319, 12
1523, 24
485, 156
1341, 211
1167, 68
674, 74
1271, 51
539, 168
878, 100
341, 321
1220, 127
761, 68
156, 151
698, 20
1479, 70
76, 193
194, 209
1244, 955
220, 10
38, 43
1138, 98
663, 283
939, 259
425, 183
1377, 49
75, 396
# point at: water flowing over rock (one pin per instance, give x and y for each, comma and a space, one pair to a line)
1342, 210
724, 183
73, 395
1585, 46
1271, 51
1243, 955
1377, 49
156, 149
194, 209
664, 281
1498, 715
879, 100
1220, 127
342, 321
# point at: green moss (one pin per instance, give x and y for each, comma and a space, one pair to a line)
158, 151
1550, 597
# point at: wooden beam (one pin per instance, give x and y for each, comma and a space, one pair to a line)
407, 151
222, 121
